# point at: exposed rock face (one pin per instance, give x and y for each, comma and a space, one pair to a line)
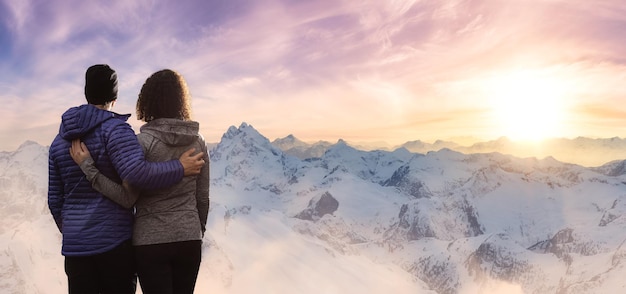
438, 272
318, 207
418, 219
404, 181
559, 243
616, 211
494, 259
415, 226
618, 169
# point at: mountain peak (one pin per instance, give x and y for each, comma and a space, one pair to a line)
244, 138
289, 142
243, 128
28, 143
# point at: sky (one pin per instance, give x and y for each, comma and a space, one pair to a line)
363, 71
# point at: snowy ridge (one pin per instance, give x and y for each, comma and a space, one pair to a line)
581, 150
293, 146
353, 221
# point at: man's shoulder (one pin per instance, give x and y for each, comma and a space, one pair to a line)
117, 119
58, 143
115, 122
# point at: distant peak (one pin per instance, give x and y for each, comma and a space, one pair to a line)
28, 143
289, 139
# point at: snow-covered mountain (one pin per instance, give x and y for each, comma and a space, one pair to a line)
583, 151
353, 221
293, 146
30, 259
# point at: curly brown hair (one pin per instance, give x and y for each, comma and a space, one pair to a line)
164, 95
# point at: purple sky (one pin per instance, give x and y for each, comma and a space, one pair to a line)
390, 71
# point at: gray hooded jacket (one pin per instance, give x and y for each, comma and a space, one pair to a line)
177, 213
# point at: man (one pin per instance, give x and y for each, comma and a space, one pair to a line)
96, 231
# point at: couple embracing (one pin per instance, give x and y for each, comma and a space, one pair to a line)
130, 205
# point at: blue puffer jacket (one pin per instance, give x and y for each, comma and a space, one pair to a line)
91, 223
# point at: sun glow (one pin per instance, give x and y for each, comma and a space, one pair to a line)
527, 105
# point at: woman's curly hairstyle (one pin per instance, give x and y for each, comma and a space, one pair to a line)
164, 95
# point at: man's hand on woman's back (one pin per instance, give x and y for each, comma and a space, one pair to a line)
192, 164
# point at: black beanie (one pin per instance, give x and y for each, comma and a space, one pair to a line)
100, 84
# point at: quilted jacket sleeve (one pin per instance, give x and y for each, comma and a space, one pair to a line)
124, 196
128, 159
55, 193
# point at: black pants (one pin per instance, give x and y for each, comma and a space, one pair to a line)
169, 267
109, 272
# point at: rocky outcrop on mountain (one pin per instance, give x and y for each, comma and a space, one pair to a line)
611, 214
318, 207
438, 272
403, 180
446, 219
613, 169
559, 245
495, 259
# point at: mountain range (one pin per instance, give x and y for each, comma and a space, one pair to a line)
581, 150
293, 217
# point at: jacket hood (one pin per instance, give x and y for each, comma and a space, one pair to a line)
171, 131
79, 121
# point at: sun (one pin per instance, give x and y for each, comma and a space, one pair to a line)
527, 105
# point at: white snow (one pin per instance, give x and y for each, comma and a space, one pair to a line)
254, 244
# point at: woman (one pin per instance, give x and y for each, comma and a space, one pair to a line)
169, 223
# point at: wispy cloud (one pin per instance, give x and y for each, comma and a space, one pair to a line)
306, 66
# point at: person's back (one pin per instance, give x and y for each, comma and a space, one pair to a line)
171, 214
90, 223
